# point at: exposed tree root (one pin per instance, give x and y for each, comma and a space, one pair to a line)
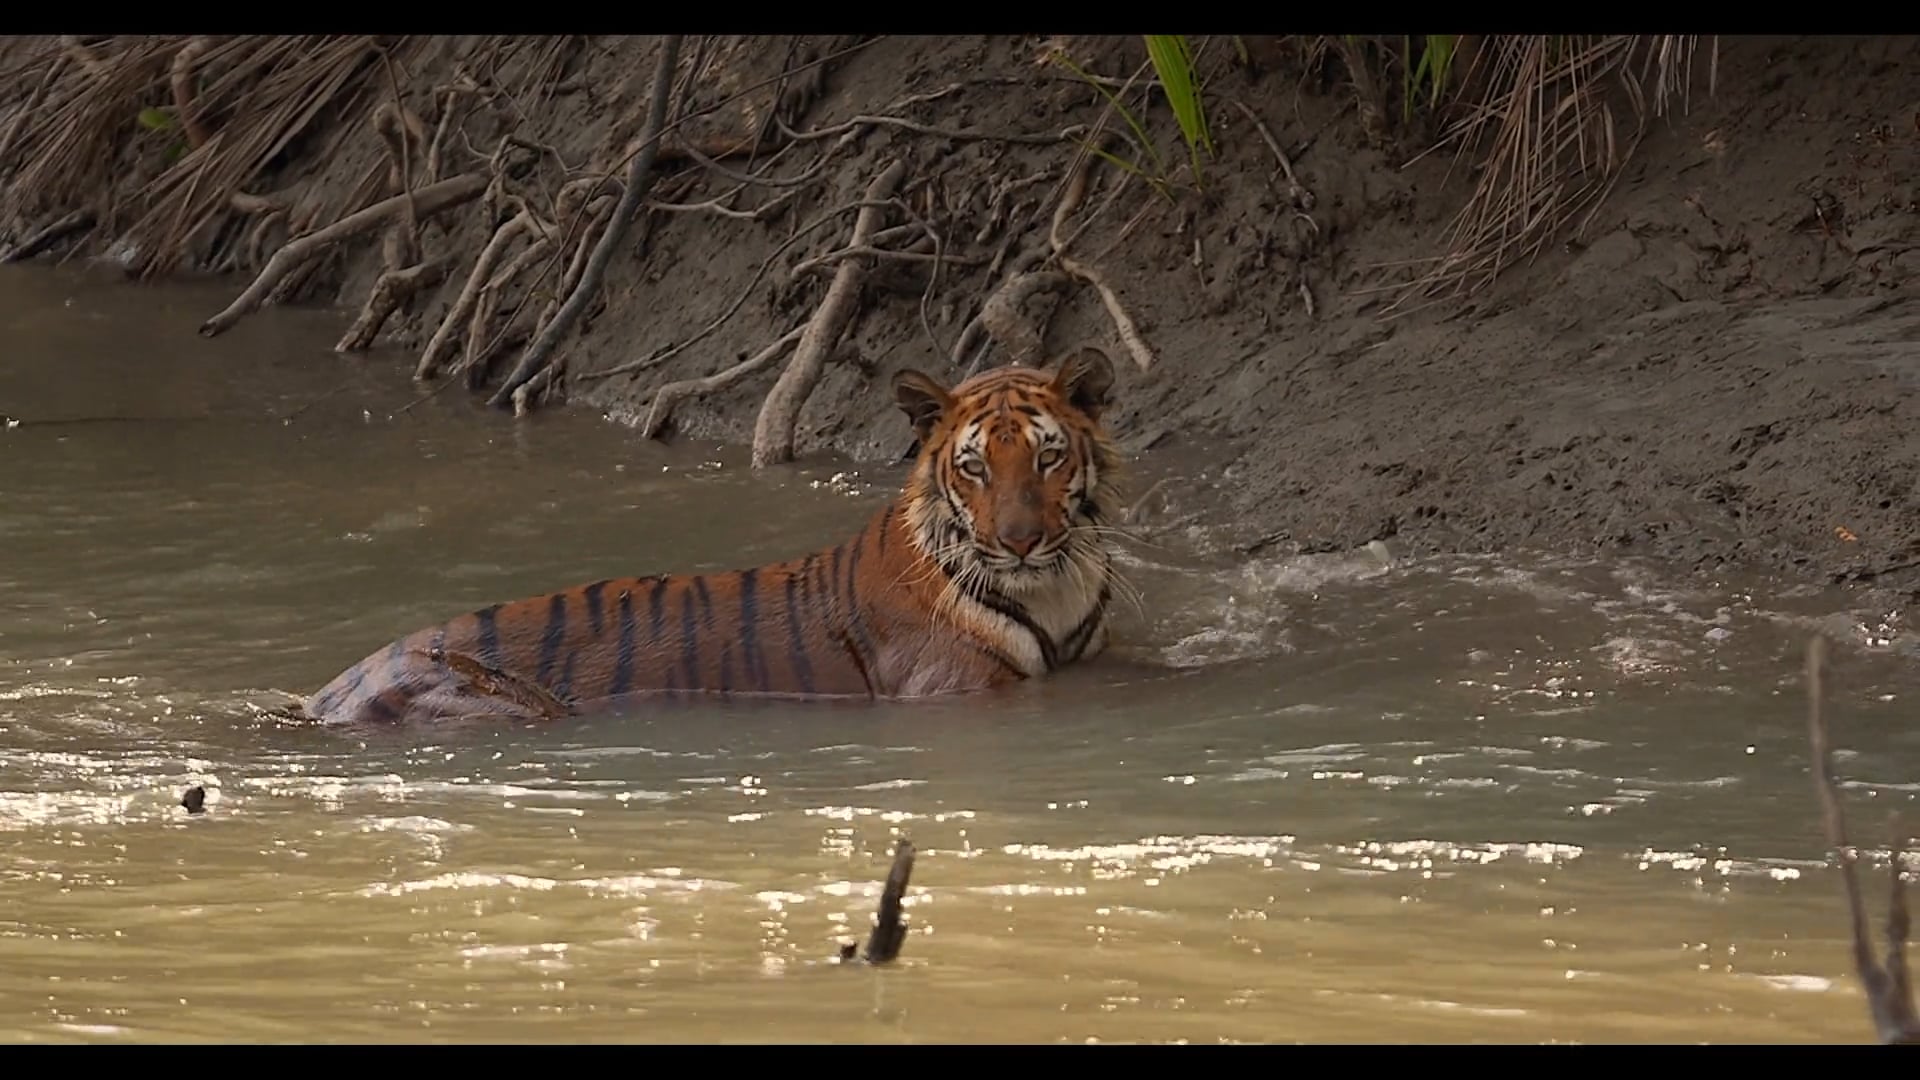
297, 252
1889, 995
50, 235
1122, 322
391, 290
773, 430
1005, 318
640, 177
669, 397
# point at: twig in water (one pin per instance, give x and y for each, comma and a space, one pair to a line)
1889, 997
889, 932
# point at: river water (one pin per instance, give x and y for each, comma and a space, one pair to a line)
1345, 798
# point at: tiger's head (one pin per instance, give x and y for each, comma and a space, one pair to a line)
1014, 473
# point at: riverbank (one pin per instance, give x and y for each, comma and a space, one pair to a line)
1717, 368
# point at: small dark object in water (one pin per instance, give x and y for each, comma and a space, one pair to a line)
195, 800
1889, 995
889, 933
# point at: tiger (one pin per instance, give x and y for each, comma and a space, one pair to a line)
990, 566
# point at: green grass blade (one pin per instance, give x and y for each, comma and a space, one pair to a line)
1125, 113
1173, 63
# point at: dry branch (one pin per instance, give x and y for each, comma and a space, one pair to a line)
669, 397
1889, 997
427, 201
392, 289
640, 177
773, 430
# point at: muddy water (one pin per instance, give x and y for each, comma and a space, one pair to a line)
1332, 799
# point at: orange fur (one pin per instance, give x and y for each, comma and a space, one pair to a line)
988, 568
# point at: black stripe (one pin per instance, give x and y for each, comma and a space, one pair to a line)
657, 610
489, 635
856, 624
596, 618
726, 667
998, 657
689, 636
796, 642
1076, 642
564, 688
1049, 652
886, 526
833, 576
326, 703
550, 641
994, 601
623, 654
752, 664
706, 603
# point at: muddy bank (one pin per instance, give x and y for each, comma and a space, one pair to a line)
1718, 368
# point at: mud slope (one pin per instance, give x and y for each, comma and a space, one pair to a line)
1719, 369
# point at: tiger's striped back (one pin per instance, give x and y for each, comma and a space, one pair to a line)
986, 569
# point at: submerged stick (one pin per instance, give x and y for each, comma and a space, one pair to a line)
889, 932
1889, 996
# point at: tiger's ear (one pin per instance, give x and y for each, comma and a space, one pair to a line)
922, 399
1086, 379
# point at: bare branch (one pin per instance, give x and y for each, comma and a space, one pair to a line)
428, 200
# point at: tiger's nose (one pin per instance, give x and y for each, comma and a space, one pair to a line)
1020, 538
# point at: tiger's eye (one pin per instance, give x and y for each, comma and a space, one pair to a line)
1050, 457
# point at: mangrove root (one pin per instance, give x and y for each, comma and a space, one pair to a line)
1889, 996
668, 397
395, 287
773, 430
46, 238
463, 305
640, 176
297, 252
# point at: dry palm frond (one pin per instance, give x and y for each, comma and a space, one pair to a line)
1556, 144
267, 92
218, 115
